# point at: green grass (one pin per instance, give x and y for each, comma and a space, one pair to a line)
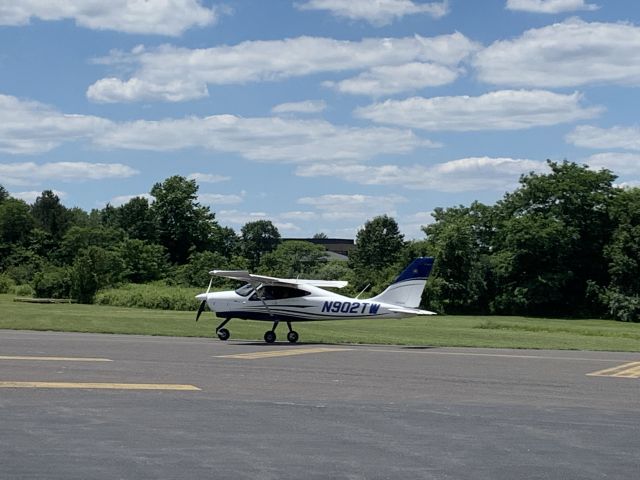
467, 331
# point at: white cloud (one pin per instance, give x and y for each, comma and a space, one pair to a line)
618, 163
626, 185
411, 224
207, 177
549, 6
391, 79
465, 174
31, 196
299, 215
219, 199
588, 136
501, 110
237, 219
379, 12
307, 106
30, 173
174, 74
566, 54
285, 227
337, 207
264, 139
164, 17
122, 199
28, 127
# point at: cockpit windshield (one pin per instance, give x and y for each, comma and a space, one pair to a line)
245, 290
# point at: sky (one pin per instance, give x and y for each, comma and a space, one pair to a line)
315, 114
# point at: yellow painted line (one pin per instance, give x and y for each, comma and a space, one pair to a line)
285, 352
426, 351
628, 370
53, 359
102, 386
633, 372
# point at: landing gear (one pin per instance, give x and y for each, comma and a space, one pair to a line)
270, 336
223, 333
292, 336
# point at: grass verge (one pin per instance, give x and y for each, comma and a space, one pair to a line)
463, 331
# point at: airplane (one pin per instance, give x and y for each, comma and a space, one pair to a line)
274, 300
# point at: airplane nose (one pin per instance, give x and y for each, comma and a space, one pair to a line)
202, 297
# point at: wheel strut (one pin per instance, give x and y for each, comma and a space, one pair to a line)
226, 320
223, 333
292, 336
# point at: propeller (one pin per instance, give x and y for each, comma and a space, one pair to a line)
203, 304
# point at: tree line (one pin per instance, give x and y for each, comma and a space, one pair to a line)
564, 243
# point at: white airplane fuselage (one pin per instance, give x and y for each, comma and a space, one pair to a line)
318, 304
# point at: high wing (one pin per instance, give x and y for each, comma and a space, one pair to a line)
245, 276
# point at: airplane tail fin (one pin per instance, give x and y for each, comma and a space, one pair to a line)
406, 289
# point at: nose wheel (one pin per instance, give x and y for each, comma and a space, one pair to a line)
223, 333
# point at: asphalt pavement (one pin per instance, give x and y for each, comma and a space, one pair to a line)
84, 406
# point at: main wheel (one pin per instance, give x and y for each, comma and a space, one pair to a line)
223, 334
292, 336
270, 336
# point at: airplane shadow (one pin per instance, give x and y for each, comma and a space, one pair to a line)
281, 344
258, 343
417, 347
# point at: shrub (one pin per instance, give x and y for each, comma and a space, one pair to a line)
94, 268
144, 262
6, 283
196, 272
53, 282
23, 291
625, 308
154, 296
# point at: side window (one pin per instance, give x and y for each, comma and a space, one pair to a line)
245, 290
289, 292
278, 292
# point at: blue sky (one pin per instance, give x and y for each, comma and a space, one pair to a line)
315, 114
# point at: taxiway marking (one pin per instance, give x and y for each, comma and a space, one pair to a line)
427, 351
102, 386
281, 353
53, 359
628, 370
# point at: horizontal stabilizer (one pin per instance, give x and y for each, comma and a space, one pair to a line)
411, 311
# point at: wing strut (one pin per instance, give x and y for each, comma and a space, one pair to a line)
257, 290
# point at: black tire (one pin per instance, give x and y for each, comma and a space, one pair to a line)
292, 336
270, 336
223, 334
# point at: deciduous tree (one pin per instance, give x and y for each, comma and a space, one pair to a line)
183, 224
258, 238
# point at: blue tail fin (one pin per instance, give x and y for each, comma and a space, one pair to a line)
406, 289
419, 269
